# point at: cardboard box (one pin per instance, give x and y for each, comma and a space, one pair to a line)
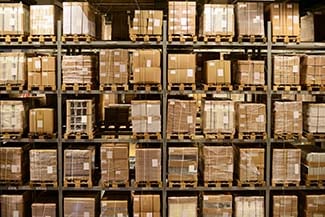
182, 164
217, 205
249, 206
146, 203
182, 206
181, 116
13, 162
43, 19
146, 58
250, 18
48, 63
148, 165
147, 22
285, 205
313, 165
250, 72
181, 61
286, 69
12, 116
114, 208
311, 28
14, 19
150, 75
34, 64
217, 72
44, 209
13, 70
181, 17
41, 120
181, 76
34, 79
79, 206
315, 205
224, 169
43, 165
217, 20
218, 116
250, 117
285, 19
312, 69
15, 205
79, 19
286, 165
106, 29
288, 117
314, 119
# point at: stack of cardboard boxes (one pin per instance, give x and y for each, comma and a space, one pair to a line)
13, 70
249, 72
315, 205
146, 205
41, 121
41, 71
314, 118
15, 205
217, 205
286, 70
285, 205
217, 72
248, 206
251, 118
80, 206
112, 208
287, 118
313, 70
44, 209
14, 19
182, 206
313, 165
12, 116
147, 22
148, 165
181, 68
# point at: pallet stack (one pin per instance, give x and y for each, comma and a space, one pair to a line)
249, 74
12, 116
41, 123
312, 71
217, 73
246, 206
43, 209
117, 208
182, 206
285, 205
217, 205
146, 205
80, 206
314, 205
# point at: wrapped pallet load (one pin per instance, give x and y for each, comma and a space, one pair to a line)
182, 206
114, 208
249, 72
148, 165
315, 205
248, 206
146, 205
44, 209
13, 70
80, 206
15, 205
217, 205
41, 121
286, 70
313, 166
285, 205
181, 68
217, 72
314, 118
146, 23
312, 70
12, 116
14, 19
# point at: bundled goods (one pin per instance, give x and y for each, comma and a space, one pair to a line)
148, 165
146, 66
217, 206
250, 164
44, 209
181, 17
313, 70
249, 72
182, 206
13, 70
249, 206
15, 205
14, 19
80, 116
250, 118
311, 27
114, 160
223, 170
78, 19
146, 205
113, 66
41, 121
43, 165
286, 70
114, 208
80, 206
78, 69
181, 116
218, 116
43, 19
12, 116
313, 165
217, 20
288, 117
182, 164
286, 165
181, 68
250, 18
41, 71
147, 22
314, 118
315, 205
217, 72
285, 205
145, 115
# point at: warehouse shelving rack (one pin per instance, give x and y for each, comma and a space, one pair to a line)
267, 48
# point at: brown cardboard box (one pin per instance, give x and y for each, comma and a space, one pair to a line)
41, 71
34, 64
14, 205
14, 19
148, 165
285, 19
43, 209
48, 63
311, 27
146, 58
286, 165
286, 69
14, 69
150, 75
182, 164
224, 169
250, 18
217, 19
41, 120
147, 22
79, 206
250, 72
312, 69
181, 76
48, 78
43, 165
146, 203
314, 119
182, 206
181, 17
43, 19
217, 72
249, 206
181, 61
217, 205
114, 208
315, 205
288, 117
34, 79
250, 118
13, 164
12, 116
285, 205
313, 165
181, 116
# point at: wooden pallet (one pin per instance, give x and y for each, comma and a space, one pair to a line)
11, 182
41, 136
41, 87
181, 87
215, 184
12, 87
285, 38
252, 136
251, 38
250, 183
218, 136
71, 135
286, 183
316, 183
43, 184
76, 87
77, 38
115, 184
11, 135
217, 87
314, 87
311, 136
77, 183
114, 87
284, 136
247, 87
148, 184
12, 38
217, 38
286, 88
182, 184
145, 37
41, 38
147, 87
180, 136
182, 38
154, 136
